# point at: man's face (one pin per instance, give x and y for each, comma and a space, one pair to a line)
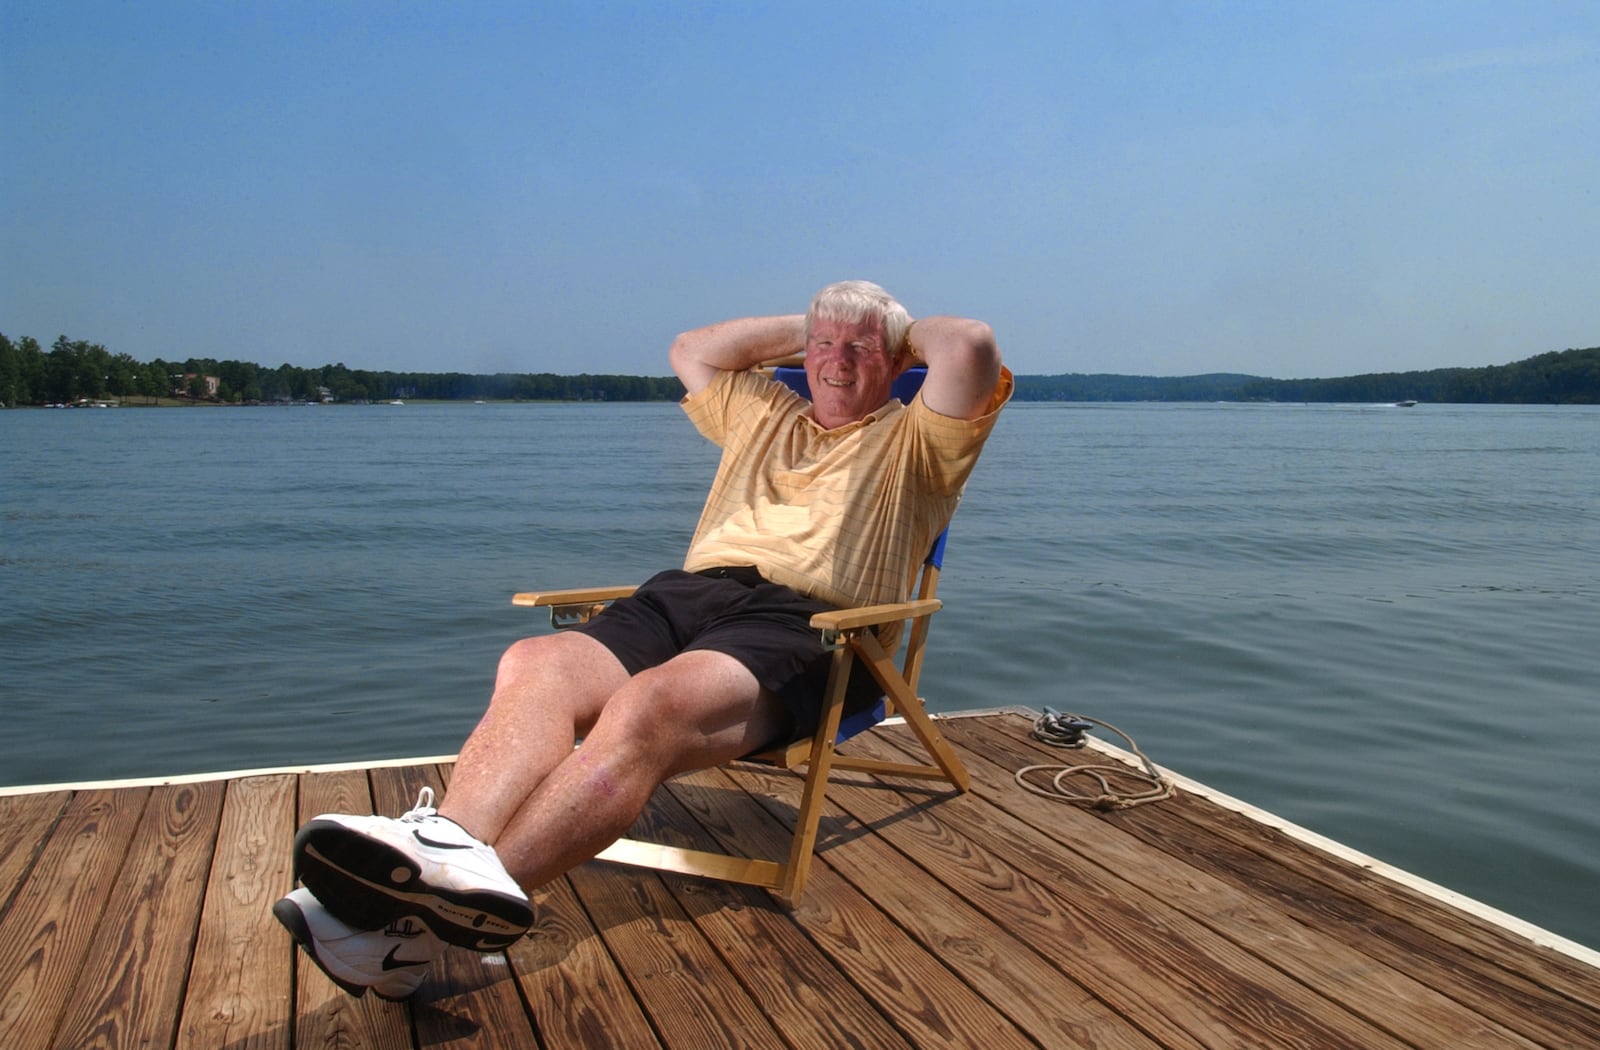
849, 370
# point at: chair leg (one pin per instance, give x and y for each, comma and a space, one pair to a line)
787, 880
910, 708
818, 768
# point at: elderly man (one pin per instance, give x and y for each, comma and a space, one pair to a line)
817, 504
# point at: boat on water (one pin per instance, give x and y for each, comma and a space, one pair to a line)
1405, 404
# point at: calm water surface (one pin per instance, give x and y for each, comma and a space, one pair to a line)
1380, 623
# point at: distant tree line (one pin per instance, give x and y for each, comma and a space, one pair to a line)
1569, 377
1107, 387
72, 371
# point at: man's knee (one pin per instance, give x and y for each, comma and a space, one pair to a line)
521, 657
572, 672
552, 654
701, 709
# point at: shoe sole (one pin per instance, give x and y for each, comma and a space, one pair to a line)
369, 884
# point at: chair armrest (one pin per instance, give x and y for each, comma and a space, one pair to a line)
569, 608
786, 361
872, 615
573, 596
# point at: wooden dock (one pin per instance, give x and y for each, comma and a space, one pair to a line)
138, 916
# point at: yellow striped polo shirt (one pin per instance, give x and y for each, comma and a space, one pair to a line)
846, 515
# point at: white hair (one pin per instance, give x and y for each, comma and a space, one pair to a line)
856, 301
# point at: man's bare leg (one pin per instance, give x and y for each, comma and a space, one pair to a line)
546, 807
548, 692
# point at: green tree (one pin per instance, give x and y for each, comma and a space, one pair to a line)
76, 369
155, 379
123, 378
10, 372
31, 371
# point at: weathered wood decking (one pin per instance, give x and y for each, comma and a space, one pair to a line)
138, 916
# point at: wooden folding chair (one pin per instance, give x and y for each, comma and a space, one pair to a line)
850, 633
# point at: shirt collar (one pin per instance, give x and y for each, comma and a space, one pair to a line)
889, 408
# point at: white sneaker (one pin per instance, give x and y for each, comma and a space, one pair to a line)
391, 961
369, 871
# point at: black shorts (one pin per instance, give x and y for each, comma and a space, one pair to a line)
763, 625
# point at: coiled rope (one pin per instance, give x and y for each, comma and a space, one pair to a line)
1067, 731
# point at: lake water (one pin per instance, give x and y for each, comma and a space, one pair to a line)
1380, 623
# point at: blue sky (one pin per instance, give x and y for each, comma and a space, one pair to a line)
1283, 189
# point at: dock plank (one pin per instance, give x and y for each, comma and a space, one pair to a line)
138, 915
577, 994
1108, 938
29, 820
687, 991
1387, 929
1129, 946
1325, 977
51, 920
1005, 985
240, 999
130, 988
933, 1002
792, 980
325, 1018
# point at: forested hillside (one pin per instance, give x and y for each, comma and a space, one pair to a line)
73, 371
1570, 377
1566, 377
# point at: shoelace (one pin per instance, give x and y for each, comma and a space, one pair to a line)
424, 807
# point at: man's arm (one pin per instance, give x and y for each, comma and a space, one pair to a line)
733, 346
963, 364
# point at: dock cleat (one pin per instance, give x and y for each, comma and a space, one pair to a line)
369, 871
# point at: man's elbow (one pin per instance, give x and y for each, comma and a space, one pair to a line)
976, 353
982, 346
688, 364
681, 352
977, 333
963, 369
964, 342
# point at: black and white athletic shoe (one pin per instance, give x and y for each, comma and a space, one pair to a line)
369, 871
